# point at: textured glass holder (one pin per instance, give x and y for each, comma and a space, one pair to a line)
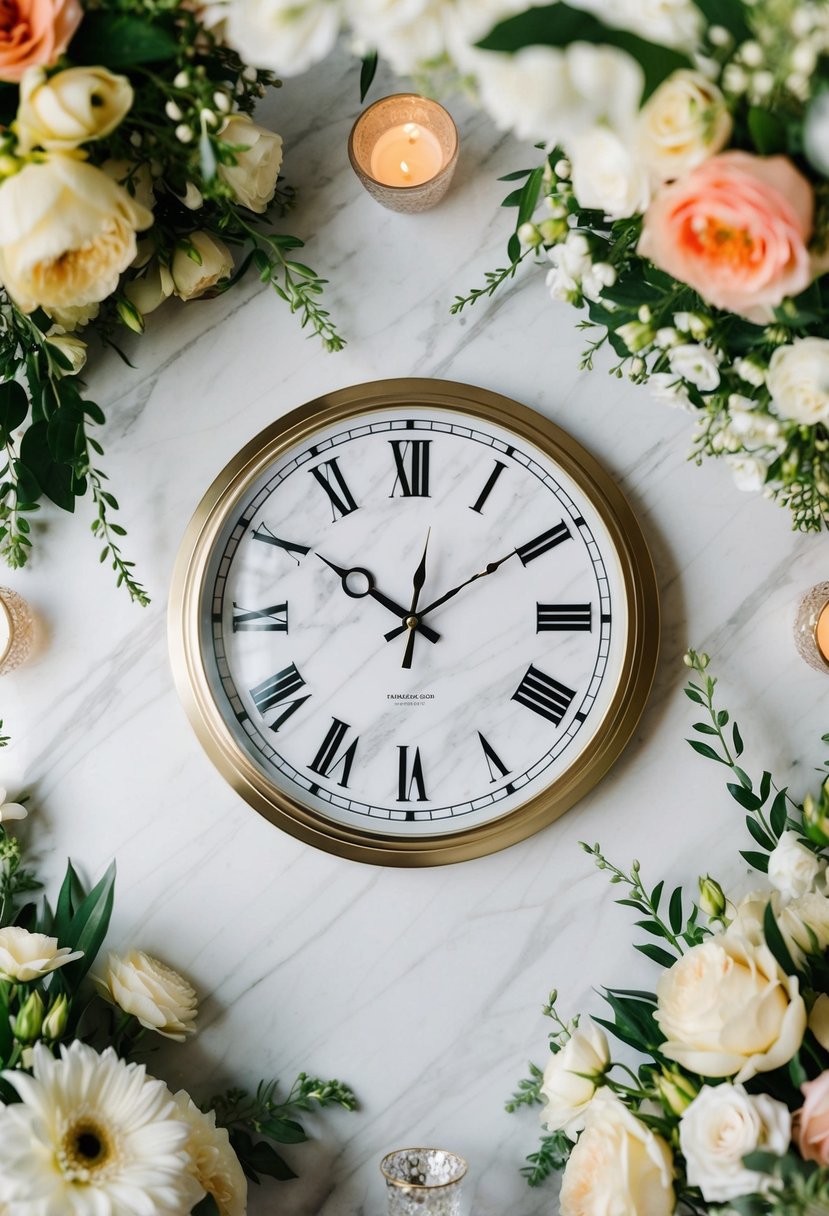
423, 1182
398, 110
17, 630
811, 627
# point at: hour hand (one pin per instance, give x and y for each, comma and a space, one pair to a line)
357, 582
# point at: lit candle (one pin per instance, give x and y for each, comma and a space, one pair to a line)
406, 155
822, 632
17, 631
404, 150
811, 630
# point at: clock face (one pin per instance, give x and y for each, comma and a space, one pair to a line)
412, 622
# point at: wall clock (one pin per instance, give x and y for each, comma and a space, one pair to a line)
413, 622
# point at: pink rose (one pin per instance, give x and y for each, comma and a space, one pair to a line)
34, 33
811, 1122
735, 229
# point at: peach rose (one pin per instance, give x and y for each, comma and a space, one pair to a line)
812, 1121
735, 229
34, 33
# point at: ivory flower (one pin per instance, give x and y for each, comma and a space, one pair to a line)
696, 364
35, 33
793, 869
607, 174
681, 124
258, 161
812, 1120
749, 472
213, 1163
63, 111
571, 1078
193, 278
26, 956
286, 36
723, 1125
73, 349
148, 290
798, 380
153, 993
10, 810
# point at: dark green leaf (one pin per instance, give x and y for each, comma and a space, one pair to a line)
120, 40
765, 786
529, 196
760, 836
72, 895
259, 1158
513, 199
367, 73
656, 895
284, 1131
65, 435
651, 926
14, 406
657, 954
206, 1207
776, 943
517, 176
89, 926
747, 800
705, 728
779, 814
757, 861
730, 13
704, 749
53, 479
6, 1037
737, 740
675, 910
693, 695
767, 130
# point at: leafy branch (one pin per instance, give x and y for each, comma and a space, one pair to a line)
494, 279
550, 1158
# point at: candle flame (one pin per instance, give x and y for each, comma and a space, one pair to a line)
405, 168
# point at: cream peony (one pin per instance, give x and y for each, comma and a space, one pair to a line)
63, 111
152, 992
258, 161
192, 278
793, 869
798, 380
66, 233
607, 174
26, 956
571, 1078
680, 125
285, 36
213, 1162
723, 1125
618, 1166
727, 1010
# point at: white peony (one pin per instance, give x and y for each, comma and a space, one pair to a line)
153, 993
571, 1078
285, 36
63, 111
696, 364
723, 1125
749, 472
258, 161
680, 125
793, 869
727, 1010
26, 956
607, 175
92, 1134
213, 1162
10, 810
618, 1166
798, 380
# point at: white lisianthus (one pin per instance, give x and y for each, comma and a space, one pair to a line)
466, 22
607, 174
191, 277
285, 36
793, 869
749, 472
258, 161
153, 993
667, 387
63, 111
10, 810
696, 364
67, 231
728, 1010
723, 1125
571, 1078
681, 124
73, 349
618, 1165
26, 956
213, 1163
798, 380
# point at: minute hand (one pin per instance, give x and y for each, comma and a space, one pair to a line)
490, 568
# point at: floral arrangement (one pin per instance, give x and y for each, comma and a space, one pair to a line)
725, 1106
84, 1127
131, 171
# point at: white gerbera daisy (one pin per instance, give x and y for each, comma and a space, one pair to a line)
93, 1136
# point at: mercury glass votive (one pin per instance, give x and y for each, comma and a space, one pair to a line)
404, 149
17, 630
811, 629
423, 1182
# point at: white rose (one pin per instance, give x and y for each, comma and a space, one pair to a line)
193, 278
571, 1078
803, 922
213, 1162
607, 175
153, 993
73, 349
618, 1166
798, 380
26, 956
66, 233
793, 869
696, 364
148, 290
285, 36
727, 1010
258, 161
681, 124
61, 112
10, 810
723, 1125
749, 473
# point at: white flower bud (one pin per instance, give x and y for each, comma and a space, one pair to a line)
182, 80
751, 54
221, 101
645, 314
562, 168
719, 36
184, 134
528, 234
173, 111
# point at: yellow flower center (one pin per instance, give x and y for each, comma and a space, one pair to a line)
86, 1150
734, 246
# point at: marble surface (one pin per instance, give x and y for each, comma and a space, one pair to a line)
422, 988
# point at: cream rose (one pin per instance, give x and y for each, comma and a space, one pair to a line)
148, 290
35, 32
798, 380
803, 922
213, 1162
66, 233
61, 112
819, 1020
258, 161
287, 36
723, 1125
571, 1078
26, 956
727, 1010
607, 175
681, 124
793, 869
153, 993
192, 278
618, 1166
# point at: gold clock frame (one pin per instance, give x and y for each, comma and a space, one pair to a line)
287, 812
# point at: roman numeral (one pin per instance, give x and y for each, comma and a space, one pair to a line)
493, 762
278, 691
332, 481
327, 760
543, 543
410, 777
489, 486
411, 460
544, 695
273, 619
264, 534
564, 617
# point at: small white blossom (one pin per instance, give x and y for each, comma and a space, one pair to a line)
667, 336
697, 364
562, 168
749, 472
751, 54
173, 111
718, 35
182, 80
666, 387
184, 134
750, 371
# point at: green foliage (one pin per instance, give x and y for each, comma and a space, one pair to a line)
528, 1092
121, 40
549, 1158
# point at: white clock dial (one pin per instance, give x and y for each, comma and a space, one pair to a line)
495, 691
